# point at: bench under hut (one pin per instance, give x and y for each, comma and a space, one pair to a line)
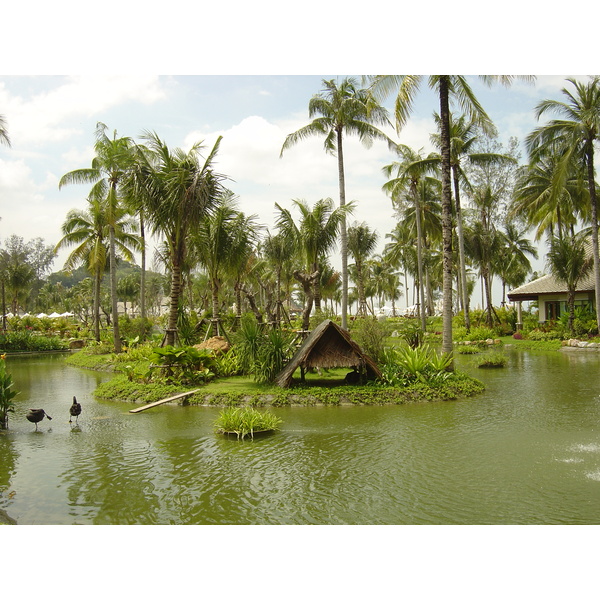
329, 346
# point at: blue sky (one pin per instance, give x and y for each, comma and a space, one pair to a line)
51, 122
247, 72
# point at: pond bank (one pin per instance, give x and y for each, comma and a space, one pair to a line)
119, 389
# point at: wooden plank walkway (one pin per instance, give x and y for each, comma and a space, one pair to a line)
152, 404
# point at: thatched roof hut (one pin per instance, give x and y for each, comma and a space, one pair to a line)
328, 346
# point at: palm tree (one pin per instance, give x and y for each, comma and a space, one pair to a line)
543, 198
512, 263
313, 238
222, 243
278, 253
4, 139
569, 262
114, 157
463, 137
447, 86
361, 244
575, 134
342, 109
177, 192
88, 231
411, 174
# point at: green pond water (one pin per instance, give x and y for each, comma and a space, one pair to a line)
526, 451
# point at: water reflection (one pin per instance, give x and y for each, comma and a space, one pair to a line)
525, 451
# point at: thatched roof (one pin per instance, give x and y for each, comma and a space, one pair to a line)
328, 346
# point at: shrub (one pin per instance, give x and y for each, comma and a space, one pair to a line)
185, 364
370, 334
25, 341
272, 356
403, 366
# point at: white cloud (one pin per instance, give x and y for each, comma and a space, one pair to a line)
49, 116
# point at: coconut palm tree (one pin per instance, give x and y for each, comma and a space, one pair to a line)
88, 231
4, 138
278, 253
512, 263
222, 243
177, 192
413, 175
114, 157
464, 135
546, 200
569, 262
341, 110
574, 135
313, 237
447, 87
362, 242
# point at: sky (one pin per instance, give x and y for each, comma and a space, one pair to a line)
51, 120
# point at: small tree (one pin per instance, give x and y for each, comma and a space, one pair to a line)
570, 262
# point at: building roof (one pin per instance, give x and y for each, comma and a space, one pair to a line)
328, 346
548, 284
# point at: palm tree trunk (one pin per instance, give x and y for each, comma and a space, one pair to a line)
343, 232
97, 282
174, 303
143, 273
446, 218
215, 305
593, 201
113, 291
420, 260
461, 252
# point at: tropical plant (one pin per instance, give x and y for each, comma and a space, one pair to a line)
447, 87
184, 364
114, 157
492, 360
4, 138
244, 421
223, 241
413, 177
6, 393
177, 192
89, 231
273, 355
313, 237
342, 109
569, 262
574, 135
362, 242
406, 365
464, 135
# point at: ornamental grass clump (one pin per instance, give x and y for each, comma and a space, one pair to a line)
492, 360
245, 421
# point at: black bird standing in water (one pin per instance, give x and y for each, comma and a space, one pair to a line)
75, 410
35, 415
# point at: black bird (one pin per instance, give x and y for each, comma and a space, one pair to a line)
35, 415
75, 410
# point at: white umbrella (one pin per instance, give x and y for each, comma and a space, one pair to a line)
41, 315
54, 315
